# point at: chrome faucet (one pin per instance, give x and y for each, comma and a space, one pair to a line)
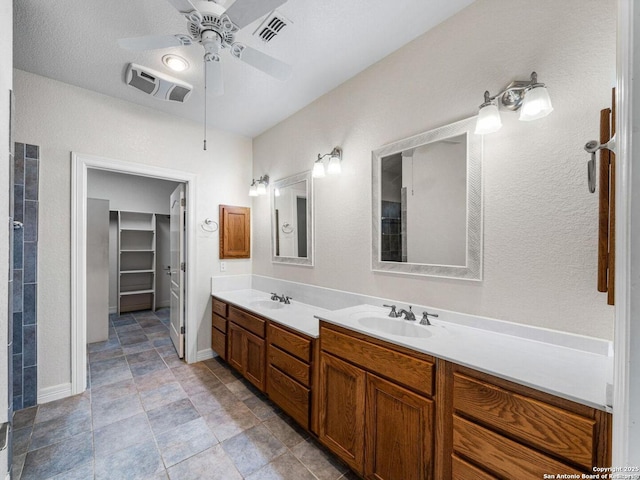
276, 297
285, 299
392, 313
408, 314
425, 318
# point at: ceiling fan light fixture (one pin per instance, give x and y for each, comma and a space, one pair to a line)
175, 62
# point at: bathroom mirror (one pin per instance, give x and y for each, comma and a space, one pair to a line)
427, 204
291, 220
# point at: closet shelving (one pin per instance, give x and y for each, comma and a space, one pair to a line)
136, 261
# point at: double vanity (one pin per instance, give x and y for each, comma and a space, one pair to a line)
462, 398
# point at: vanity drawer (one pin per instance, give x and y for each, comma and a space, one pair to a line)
534, 422
289, 365
502, 456
462, 470
292, 397
296, 345
218, 322
219, 343
219, 307
247, 321
405, 369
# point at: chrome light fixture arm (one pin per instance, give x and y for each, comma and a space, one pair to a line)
512, 96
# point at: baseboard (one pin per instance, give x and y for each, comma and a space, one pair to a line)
163, 304
205, 354
49, 394
113, 309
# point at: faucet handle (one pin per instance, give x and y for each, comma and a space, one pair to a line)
392, 313
274, 296
286, 299
425, 317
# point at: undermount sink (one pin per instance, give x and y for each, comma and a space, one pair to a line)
402, 328
267, 304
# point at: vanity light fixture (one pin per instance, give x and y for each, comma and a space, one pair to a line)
258, 187
175, 62
528, 96
333, 168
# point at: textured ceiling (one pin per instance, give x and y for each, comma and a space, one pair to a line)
328, 42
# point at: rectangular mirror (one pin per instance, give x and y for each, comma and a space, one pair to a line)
427, 204
291, 220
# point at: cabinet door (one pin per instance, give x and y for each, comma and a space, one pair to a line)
235, 347
398, 433
341, 409
255, 360
235, 232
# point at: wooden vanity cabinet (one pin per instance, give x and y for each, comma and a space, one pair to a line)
289, 356
375, 409
246, 346
501, 429
219, 328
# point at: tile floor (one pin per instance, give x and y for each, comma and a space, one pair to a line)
148, 415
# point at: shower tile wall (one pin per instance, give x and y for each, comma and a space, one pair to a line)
25, 278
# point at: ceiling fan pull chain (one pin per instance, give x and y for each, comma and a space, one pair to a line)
205, 102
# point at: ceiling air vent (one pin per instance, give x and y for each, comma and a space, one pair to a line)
271, 27
157, 84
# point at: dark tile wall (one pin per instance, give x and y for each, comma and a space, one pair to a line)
25, 276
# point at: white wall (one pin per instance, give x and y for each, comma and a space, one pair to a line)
62, 118
130, 193
540, 222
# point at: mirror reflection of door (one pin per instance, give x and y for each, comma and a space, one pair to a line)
291, 221
424, 204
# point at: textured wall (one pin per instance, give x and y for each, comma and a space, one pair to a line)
61, 118
539, 220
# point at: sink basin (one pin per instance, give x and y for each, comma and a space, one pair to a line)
267, 304
397, 327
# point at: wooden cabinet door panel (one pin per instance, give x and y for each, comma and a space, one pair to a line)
235, 232
399, 432
255, 360
235, 347
341, 410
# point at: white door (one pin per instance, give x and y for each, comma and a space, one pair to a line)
176, 241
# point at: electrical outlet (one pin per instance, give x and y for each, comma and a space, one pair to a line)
223, 266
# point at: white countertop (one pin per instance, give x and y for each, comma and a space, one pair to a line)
578, 375
298, 316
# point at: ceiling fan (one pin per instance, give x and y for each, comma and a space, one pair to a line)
214, 27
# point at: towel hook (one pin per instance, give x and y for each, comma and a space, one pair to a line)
592, 147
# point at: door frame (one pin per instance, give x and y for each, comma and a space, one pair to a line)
80, 164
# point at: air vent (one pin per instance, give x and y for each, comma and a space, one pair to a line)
271, 27
157, 84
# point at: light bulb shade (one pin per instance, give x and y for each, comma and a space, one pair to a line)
261, 189
253, 191
488, 119
334, 167
276, 192
536, 104
318, 170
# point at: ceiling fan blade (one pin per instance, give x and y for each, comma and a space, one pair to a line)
214, 79
262, 61
183, 6
153, 42
243, 12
